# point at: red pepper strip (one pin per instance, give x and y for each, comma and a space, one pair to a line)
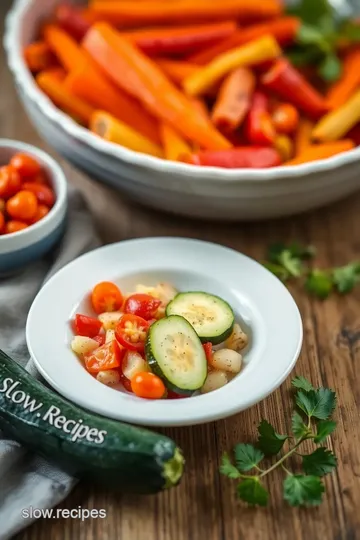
255, 157
259, 126
288, 83
182, 40
72, 21
208, 351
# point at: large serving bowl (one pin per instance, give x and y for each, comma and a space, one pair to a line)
204, 192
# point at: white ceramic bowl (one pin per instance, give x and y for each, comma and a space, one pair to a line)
195, 191
17, 250
261, 303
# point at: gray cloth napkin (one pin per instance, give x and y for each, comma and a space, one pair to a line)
27, 480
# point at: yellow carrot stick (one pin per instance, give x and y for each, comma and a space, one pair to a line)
252, 53
284, 146
111, 129
336, 124
315, 152
174, 145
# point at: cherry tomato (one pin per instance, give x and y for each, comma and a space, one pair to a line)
285, 118
86, 326
100, 338
42, 211
10, 181
2, 205
108, 356
142, 305
40, 178
2, 222
147, 385
14, 226
126, 383
26, 165
106, 296
22, 206
43, 193
131, 332
208, 350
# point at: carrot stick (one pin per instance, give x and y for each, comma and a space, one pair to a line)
342, 89
254, 52
63, 98
337, 123
138, 75
175, 146
112, 130
201, 107
177, 71
89, 84
316, 152
38, 56
57, 73
128, 13
303, 135
66, 49
234, 99
283, 30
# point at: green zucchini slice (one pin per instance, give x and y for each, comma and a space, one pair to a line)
212, 317
175, 353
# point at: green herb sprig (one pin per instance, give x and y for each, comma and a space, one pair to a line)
310, 421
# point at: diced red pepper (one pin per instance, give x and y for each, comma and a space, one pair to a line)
72, 21
86, 326
208, 350
107, 356
255, 157
100, 338
259, 126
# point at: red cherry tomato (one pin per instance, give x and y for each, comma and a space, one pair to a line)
86, 326
26, 165
14, 226
44, 194
100, 338
108, 356
106, 296
142, 305
10, 181
131, 332
208, 350
2, 222
22, 206
147, 385
42, 211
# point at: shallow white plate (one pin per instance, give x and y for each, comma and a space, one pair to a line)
261, 303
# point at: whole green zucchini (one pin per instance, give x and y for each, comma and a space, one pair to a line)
111, 453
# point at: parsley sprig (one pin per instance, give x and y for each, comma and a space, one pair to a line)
310, 421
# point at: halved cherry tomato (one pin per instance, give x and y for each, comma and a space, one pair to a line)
26, 165
174, 395
126, 383
108, 356
147, 385
14, 226
2, 222
42, 211
131, 332
100, 338
22, 206
86, 326
43, 193
10, 181
106, 296
208, 350
142, 305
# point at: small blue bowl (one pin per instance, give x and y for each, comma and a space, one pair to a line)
19, 249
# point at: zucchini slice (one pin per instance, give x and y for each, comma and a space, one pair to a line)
212, 317
175, 353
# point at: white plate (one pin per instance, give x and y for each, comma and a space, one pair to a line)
261, 303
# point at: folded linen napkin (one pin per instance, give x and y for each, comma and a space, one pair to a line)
27, 480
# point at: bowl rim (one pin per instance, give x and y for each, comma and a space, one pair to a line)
28, 86
20, 239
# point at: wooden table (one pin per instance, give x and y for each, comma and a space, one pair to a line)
204, 507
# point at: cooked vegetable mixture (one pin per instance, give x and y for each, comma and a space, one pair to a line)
221, 83
158, 343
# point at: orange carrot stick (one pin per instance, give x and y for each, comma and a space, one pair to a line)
316, 152
138, 75
234, 99
201, 107
283, 30
111, 129
63, 98
177, 71
57, 73
342, 89
175, 146
128, 13
38, 56
303, 135
89, 84
65, 47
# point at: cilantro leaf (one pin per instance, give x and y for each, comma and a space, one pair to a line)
330, 67
312, 35
303, 490
324, 429
253, 492
227, 468
346, 277
316, 403
277, 270
269, 441
312, 12
350, 31
292, 264
298, 426
247, 456
319, 283
302, 384
320, 462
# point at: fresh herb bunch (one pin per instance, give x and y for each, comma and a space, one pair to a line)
310, 421
320, 35
288, 262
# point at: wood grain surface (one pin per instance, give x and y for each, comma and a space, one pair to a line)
204, 506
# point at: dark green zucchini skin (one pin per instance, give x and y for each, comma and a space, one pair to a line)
129, 459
